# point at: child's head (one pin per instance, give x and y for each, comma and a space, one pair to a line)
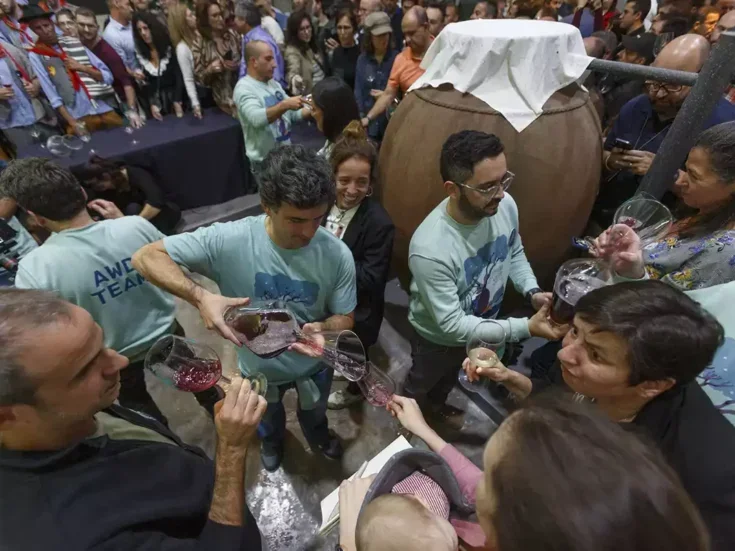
395, 522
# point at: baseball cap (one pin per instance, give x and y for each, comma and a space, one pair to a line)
642, 45
378, 23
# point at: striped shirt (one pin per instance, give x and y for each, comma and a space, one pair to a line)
75, 50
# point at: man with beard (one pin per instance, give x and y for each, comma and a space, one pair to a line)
644, 122
461, 257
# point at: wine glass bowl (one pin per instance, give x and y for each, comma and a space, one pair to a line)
266, 328
73, 142
191, 366
574, 279
377, 387
486, 339
648, 218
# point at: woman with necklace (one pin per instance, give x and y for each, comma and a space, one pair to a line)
164, 85
217, 55
364, 226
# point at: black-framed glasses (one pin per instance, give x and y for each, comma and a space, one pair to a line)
654, 87
492, 190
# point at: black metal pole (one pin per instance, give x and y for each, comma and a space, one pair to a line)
643, 71
713, 79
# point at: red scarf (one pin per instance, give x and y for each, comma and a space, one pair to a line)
48, 51
19, 28
4, 53
44, 6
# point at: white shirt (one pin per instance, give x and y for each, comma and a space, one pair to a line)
270, 25
338, 220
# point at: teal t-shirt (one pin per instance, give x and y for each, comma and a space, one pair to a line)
460, 273
90, 267
314, 282
252, 97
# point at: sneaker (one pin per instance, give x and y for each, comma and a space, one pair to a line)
333, 448
341, 399
271, 456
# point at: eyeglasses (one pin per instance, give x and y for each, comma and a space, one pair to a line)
492, 190
654, 87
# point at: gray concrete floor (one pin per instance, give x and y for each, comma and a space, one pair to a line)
286, 502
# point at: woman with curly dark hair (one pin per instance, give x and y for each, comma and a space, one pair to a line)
164, 85
304, 64
216, 55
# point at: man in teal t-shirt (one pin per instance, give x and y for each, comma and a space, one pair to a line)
283, 255
88, 263
461, 257
266, 112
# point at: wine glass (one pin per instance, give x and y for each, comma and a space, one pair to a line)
268, 329
192, 366
485, 340
661, 40
73, 142
36, 135
574, 279
377, 387
83, 132
55, 144
646, 216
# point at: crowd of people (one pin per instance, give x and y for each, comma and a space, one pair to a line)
611, 442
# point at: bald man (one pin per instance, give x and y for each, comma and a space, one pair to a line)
407, 66
266, 112
644, 122
725, 23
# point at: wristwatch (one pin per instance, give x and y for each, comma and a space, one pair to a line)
532, 292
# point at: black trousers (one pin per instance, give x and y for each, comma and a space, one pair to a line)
433, 373
134, 393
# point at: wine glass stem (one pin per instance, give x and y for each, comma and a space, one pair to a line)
225, 379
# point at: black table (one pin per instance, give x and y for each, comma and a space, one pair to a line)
197, 162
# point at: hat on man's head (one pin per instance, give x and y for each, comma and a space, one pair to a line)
34, 11
642, 45
377, 23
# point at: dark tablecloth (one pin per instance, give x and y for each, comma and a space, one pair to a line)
197, 162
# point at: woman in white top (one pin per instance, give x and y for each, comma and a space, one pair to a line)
182, 25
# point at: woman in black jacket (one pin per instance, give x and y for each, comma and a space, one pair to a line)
364, 226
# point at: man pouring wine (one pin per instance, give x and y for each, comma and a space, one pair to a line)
461, 257
283, 255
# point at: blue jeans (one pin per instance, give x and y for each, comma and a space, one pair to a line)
272, 428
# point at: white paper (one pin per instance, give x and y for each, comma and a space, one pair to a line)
513, 65
374, 466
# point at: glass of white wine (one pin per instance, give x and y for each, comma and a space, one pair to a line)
484, 349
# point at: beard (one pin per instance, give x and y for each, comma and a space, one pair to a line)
471, 211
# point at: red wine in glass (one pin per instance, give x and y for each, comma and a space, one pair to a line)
267, 333
191, 366
198, 375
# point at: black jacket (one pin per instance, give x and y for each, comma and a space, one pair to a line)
369, 236
699, 444
125, 495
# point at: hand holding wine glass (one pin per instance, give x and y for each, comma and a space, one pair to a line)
237, 416
541, 326
620, 246
314, 348
497, 372
408, 413
212, 308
